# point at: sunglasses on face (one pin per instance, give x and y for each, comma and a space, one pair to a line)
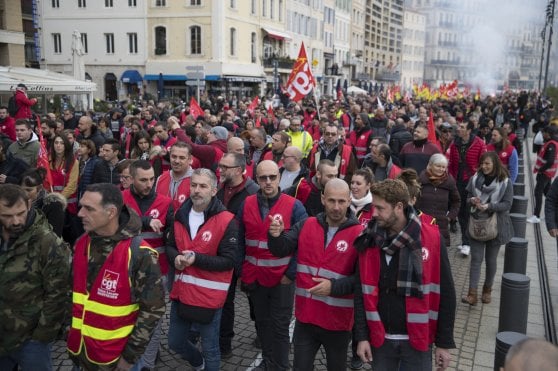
265, 178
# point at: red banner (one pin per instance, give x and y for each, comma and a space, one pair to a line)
301, 81
253, 105
42, 161
195, 109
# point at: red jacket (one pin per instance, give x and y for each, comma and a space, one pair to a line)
315, 259
182, 193
422, 313
504, 155
23, 105
157, 210
360, 141
103, 317
472, 157
551, 171
195, 286
259, 264
342, 160
7, 127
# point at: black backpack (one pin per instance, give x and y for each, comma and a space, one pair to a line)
12, 106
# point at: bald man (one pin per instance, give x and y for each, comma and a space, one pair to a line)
268, 280
326, 261
237, 145
532, 355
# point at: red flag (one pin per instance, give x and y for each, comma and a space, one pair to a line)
195, 109
431, 129
270, 112
42, 161
301, 81
252, 106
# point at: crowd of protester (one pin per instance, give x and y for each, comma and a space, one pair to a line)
454, 157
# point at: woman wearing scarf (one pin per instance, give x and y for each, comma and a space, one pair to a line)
489, 191
361, 198
439, 196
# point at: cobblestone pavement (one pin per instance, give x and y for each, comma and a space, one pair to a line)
475, 327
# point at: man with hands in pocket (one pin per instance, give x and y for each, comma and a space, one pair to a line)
325, 277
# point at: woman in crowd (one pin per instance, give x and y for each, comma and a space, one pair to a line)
64, 169
143, 149
71, 136
439, 195
361, 198
505, 150
87, 154
489, 191
53, 205
104, 128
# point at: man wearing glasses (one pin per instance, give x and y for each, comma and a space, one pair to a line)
293, 169
235, 187
266, 279
333, 148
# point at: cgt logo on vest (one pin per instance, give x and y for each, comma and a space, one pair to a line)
342, 246
181, 198
278, 217
154, 213
206, 236
425, 254
109, 285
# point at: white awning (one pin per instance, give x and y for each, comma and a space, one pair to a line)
42, 81
279, 35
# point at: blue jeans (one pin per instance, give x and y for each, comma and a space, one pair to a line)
33, 356
399, 355
179, 329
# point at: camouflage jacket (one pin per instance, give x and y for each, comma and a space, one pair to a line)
34, 284
147, 287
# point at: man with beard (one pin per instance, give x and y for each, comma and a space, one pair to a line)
7, 124
118, 296
279, 142
89, 131
175, 183
266, 279
384, 167
202, 246
416, 154
157, 216
379, 123
27, 146
309, 191
34, 277
235, 187
165, 141
332, 147
398, 314
325, 276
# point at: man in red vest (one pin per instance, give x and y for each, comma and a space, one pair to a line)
175, 183
118, 295
325, 276
157, 216
404, 297
203, 248
266, 279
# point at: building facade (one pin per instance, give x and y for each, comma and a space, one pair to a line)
12, 37
414, 37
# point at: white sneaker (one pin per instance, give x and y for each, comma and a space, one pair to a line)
465, 250
533, 219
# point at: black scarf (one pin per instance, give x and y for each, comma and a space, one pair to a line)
408, 243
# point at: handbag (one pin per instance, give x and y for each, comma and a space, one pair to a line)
483, 229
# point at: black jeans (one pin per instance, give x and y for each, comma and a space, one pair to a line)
273, 308
463, 214
307, 340
226, 333
541, 188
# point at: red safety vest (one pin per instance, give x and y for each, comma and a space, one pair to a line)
195, 286
360, 143
104, 317
504, 155
259, 264
60, 180
341, 160
303, 190
422, 314
315, 259
181, 194
157, 210
550, 172
364, 216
